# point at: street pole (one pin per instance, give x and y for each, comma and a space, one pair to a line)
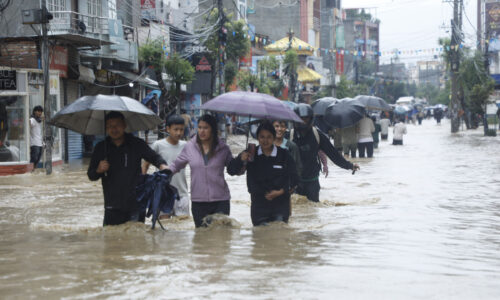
48, 139
456, 26
292, 73
487, 71
479, 8
221, 48
334, 56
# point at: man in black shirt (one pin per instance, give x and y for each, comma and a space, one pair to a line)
117, 161
310, 140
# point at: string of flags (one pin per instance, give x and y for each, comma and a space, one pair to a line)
319, 51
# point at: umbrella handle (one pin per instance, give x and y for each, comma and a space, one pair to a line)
248, 131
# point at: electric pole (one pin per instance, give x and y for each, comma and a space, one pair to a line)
456, 29
48, 138
292, 73
222, 42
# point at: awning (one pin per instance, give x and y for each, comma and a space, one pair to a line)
142, 80
281, 46
307, 75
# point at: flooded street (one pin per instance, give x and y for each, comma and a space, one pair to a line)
421, 221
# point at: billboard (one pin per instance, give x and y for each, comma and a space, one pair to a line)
492, 20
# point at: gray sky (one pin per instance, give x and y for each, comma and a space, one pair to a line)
416, 24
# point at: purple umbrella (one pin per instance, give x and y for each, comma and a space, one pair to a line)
255, 105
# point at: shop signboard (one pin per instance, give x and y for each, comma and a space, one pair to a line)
54, 84
203, 65
59, 60
8, 80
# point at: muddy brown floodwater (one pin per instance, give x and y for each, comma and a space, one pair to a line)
421, 221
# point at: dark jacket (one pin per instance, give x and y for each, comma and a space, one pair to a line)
309, 147
265, 174
124, 170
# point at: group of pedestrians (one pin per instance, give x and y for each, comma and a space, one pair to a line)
362, 138
280, 165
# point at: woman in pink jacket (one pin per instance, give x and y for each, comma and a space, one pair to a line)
207, 157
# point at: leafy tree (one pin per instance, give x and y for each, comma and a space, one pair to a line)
153, 56
180, 71
237, 45
230, 71
291, 62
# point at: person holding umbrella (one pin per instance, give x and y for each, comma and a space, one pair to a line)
310, 140
271, 177
117, 162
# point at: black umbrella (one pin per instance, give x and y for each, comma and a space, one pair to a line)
86, 114
319, 106
345, 113
373, 103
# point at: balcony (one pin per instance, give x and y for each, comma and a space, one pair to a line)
82, 30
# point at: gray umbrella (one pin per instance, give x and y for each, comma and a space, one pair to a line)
373, 103
86, 114
319, 106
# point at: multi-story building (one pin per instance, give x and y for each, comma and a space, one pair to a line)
361, 33
93, 49
430, 72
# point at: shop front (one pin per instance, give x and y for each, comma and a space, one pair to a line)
20, 91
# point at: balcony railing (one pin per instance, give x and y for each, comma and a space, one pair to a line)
77, 23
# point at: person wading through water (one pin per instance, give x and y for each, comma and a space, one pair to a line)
310, 140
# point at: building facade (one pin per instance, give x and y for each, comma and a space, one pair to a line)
93, 50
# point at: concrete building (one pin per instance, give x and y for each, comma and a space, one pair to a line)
430, 72
93, 49
361, 33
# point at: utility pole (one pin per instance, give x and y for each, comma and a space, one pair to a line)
456, 27
291, 72
334, 55
222, 42
479, 23
48, 138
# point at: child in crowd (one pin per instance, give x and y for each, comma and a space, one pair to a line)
169, 148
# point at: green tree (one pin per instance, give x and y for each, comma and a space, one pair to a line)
291, 62
180, 71
237, 45
153, 56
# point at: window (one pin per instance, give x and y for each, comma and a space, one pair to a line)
94, 11
12, 129
56, 5
94, 8
112, 9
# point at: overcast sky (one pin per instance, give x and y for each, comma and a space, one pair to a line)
416, 24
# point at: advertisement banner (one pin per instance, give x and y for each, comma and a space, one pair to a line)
339, 59
148, 9
59, 60
250, 6
492, 17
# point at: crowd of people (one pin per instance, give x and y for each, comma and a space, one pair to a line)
363, 137
282, 163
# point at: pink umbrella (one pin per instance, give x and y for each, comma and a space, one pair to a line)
253, 105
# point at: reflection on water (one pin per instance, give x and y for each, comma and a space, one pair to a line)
418, 221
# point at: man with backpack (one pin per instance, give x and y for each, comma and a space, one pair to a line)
309, 141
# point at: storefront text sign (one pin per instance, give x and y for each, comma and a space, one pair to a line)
54, 84
203, 65
8, 80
